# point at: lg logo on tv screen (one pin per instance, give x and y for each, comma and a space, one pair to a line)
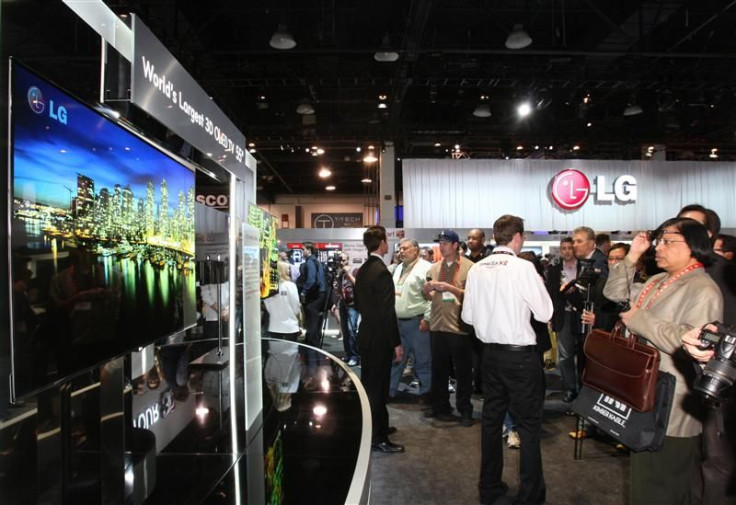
570, 189
37, 102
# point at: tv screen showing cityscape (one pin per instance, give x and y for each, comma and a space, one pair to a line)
102, 237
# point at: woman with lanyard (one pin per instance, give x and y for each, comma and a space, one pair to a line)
669, 304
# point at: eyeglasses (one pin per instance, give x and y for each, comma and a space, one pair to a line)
665, 242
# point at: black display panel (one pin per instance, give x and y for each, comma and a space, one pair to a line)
102, 237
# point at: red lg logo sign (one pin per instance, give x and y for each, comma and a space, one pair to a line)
570, 189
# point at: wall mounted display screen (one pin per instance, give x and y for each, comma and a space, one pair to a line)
269, 246
102, 237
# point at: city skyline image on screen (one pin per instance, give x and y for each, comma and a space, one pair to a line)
102, 237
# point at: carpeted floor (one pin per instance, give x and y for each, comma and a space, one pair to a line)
442, 460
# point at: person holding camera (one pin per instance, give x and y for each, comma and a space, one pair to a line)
669, 305
564, 321
312, 292
715, 482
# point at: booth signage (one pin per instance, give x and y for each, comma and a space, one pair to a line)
571, 188
216, 201
317, 245
337, 220
163, 88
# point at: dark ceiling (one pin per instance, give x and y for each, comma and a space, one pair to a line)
676, 58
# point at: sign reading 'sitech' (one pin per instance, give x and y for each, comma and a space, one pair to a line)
571, 188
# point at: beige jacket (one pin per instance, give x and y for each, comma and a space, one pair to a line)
692, 300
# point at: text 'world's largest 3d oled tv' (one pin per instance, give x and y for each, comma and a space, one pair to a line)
102, 237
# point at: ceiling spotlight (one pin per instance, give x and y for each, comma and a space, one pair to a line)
305, 109
358, 149
713, 153
382, 105
519, 147
282, 39
518, 38
370, 158
576, 147
437, 144
324, 173
386, 54
330, 188
589, 124
366, 180
524, 109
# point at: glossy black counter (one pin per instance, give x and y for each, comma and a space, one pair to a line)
188, 443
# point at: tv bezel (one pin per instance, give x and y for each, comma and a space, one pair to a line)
127, 128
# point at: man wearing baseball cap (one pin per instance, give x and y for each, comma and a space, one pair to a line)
445, 288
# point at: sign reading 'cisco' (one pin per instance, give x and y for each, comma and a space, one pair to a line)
570, 189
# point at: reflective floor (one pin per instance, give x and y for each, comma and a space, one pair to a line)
185, 440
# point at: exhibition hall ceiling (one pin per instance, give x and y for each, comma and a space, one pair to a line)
610, 77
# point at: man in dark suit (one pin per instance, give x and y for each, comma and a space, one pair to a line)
378, 336
591, 273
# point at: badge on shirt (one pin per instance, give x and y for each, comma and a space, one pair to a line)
448, 296
399, 289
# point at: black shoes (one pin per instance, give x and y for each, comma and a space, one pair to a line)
387, 447
467, 421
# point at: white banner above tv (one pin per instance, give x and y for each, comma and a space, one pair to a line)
605, 195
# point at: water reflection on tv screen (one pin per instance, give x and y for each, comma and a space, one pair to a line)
102, 237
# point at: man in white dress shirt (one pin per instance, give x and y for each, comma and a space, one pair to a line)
502, 292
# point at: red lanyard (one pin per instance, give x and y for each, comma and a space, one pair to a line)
454, 276
663, 286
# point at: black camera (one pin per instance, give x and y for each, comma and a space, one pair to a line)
623, 306
719, 373
577, 293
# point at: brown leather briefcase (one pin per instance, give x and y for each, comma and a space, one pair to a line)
622, 368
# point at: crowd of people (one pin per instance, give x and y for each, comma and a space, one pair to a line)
483, 316
675, 280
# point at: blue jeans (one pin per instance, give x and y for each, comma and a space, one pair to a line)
417, 343
509, 424
566, 354
349, 327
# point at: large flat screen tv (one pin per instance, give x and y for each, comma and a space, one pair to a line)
102, 237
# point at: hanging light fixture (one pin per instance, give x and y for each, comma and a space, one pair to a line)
386, 54
518, 38
305, 109
482, 109
633, 108
282, 39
